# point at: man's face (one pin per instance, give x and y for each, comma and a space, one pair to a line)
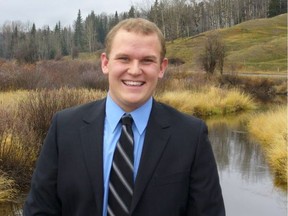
133, 68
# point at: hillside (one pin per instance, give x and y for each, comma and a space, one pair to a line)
258, 45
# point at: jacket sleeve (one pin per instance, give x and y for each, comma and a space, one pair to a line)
205, 196
42, 198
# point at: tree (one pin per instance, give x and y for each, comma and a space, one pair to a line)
277, 7
90, 32
27, 51
79, 40
131, 13
214, 53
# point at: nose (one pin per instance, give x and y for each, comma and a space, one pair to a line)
134, 68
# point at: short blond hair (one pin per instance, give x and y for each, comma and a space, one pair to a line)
137, 25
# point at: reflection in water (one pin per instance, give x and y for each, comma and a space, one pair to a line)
245, 177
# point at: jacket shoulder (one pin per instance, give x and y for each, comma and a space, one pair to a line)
81, 112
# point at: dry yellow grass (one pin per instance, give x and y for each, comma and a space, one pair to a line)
7, 190
270, 129
209, 101
11, 98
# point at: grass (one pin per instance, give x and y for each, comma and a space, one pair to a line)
12, 98
24, 125
258, 45
209, 101
270, 129
7, 190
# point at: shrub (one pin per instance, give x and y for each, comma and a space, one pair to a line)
17, 155
39, 107
261, 88
24, 127
51, 75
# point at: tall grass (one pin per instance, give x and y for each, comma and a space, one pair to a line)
209, 101
23, 127
270, 129
38, 108
7, 189
17, 155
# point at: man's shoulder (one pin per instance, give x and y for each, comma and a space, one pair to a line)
82, 110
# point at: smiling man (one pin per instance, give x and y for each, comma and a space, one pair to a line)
127, 154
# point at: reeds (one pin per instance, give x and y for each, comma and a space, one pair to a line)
7, 189
270, 129
209, 101
24, 125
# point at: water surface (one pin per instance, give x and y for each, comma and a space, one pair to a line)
246, 180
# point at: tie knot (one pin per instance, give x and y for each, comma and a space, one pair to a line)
127, 119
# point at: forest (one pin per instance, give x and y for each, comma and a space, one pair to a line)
176, 18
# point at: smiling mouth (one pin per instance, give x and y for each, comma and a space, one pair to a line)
133, 83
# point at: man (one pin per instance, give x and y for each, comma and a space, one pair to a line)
174, 171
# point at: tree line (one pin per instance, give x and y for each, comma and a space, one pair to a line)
176, 19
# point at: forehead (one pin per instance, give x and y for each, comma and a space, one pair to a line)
125, 39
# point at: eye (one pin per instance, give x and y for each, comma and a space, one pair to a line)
123, 59
148, 61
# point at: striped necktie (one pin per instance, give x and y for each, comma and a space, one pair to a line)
121, 181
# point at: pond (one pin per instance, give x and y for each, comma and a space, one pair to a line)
245, 177
246, 180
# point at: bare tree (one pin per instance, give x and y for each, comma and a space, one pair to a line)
90, 32
214, 53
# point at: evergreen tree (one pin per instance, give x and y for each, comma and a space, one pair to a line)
102, 28
277, 7
131, 13
79, 41
64, 42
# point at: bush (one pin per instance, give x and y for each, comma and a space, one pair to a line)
24, 127
51, 75
261, 88
14, 76
17, 155
39, 107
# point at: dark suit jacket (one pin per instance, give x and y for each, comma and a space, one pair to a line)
177, 173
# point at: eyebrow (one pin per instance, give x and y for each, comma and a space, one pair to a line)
144, 57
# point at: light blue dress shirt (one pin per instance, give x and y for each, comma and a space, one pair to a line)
112, 130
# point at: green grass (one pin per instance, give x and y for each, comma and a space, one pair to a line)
258, 45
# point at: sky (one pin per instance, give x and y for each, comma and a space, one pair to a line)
49, 12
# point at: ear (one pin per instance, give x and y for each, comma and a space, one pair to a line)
163, 67
104, 63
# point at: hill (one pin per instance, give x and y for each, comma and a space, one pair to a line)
258, 45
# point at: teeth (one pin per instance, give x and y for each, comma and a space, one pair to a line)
133, 83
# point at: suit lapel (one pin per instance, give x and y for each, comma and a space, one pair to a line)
157, 135
92, 143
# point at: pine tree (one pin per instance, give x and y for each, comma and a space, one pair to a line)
131, 13
79, 41
277, 7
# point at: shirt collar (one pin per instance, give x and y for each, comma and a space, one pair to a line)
140, 115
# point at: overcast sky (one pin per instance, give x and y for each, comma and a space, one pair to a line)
49, 12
